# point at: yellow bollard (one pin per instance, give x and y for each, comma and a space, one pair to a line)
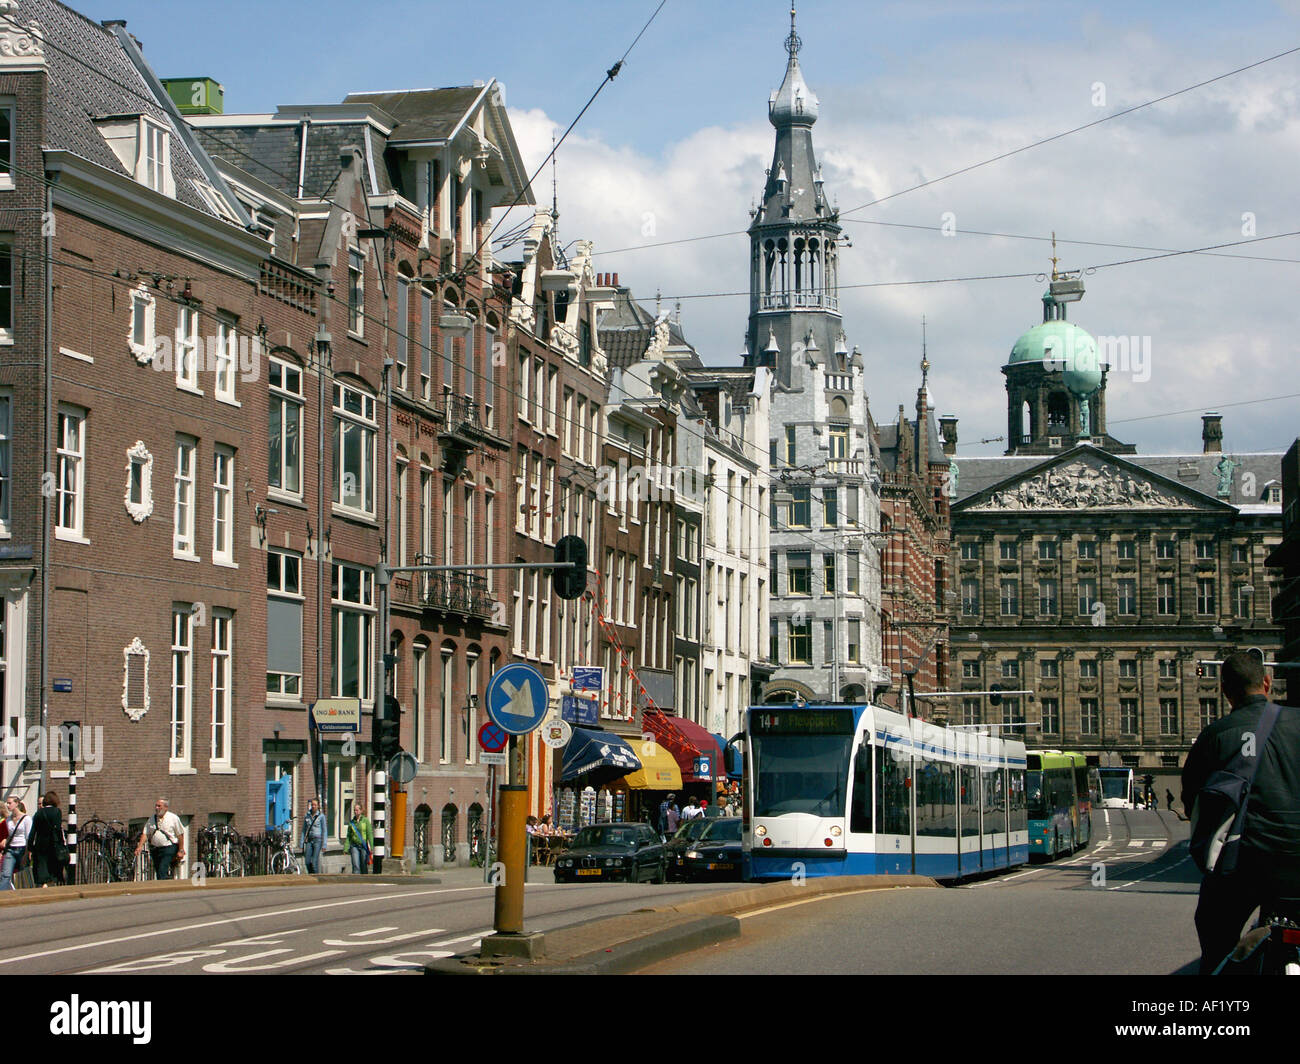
509, 919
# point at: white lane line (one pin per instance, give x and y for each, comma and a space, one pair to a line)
236, 919
392, 965
1158, 872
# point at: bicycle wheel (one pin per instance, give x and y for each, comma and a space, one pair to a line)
280, 862
93, 867
234, 863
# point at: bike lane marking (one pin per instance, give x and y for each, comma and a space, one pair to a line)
394, 962
182, 928
351, 940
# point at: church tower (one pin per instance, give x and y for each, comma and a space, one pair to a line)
794, 239
824, 456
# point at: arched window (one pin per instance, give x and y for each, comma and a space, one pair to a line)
446, 744
419, 697
450, 832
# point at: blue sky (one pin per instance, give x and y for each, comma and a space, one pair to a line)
676, 148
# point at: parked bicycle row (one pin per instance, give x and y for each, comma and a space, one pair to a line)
36, 852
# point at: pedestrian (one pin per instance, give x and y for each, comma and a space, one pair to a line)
165, 835
1169, 800
691, 810
313, 836
47, 846
15, 854
669, 815
361, 840
707, 810
1268, 859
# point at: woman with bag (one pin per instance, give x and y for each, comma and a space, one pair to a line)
20, 824
47, 845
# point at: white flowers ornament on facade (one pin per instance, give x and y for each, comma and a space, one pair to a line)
139, 482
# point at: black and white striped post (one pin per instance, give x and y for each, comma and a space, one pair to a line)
380, 805
72, 731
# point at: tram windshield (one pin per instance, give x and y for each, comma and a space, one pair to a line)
801, 774
1116, 785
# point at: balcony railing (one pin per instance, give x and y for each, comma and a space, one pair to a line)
466, 594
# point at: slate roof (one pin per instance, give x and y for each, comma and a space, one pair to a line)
91, 77
1193, 471
934, 446
422, 114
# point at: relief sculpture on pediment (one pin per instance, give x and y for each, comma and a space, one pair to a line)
1082, 485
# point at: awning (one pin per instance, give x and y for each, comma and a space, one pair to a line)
734, 758
658, 771
597, 754
688, 743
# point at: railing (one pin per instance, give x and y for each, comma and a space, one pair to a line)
787, 300
465, 593
848, 466
462, 412
839, 382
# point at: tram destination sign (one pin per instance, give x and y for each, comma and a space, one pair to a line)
803, 722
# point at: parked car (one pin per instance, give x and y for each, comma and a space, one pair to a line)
629, 852
716, 853
681, 841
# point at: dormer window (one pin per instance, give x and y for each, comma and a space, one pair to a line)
154, 168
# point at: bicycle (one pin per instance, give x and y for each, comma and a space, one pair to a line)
282, 861
221, 851
106, 853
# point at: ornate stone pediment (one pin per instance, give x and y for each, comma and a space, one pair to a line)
22, 44
1087, 482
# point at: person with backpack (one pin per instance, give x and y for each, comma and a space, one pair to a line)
1248, 855
15, 853
47, 845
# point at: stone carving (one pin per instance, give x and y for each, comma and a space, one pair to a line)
659, 342
1225, 469
19, 43
1083, 485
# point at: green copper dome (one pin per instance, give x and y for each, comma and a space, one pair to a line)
1063, 342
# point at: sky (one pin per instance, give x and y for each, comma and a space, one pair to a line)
675, 149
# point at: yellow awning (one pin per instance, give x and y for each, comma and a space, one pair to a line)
658, 771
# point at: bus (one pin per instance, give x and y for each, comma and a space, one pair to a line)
861, 790
1053, 800
1087, 796
1117, 788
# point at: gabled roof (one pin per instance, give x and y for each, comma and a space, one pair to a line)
92, 78
423, 114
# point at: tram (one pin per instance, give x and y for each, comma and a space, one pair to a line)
862, 790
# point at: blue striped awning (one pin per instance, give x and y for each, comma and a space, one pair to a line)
598, 754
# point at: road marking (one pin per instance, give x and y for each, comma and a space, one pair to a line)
234, 920
350, 940
1157, 872
392, 965
237, 965
805, 901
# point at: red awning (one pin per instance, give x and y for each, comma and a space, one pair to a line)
686, 741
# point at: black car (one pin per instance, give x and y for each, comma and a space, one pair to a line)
716, 853
683, 840
602, 852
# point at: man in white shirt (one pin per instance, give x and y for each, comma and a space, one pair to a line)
166, 838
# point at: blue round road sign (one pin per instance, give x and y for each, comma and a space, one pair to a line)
517, 699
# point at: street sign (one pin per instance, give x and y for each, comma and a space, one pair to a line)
556, 733
589, 677
517, 699
703, 766
337, 714
491, 738
579, 710
62, 686
486, 758
402, 767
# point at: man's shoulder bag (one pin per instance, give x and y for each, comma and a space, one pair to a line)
1219, 810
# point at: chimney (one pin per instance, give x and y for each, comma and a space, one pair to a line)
1211, 432
615, 284
948, 428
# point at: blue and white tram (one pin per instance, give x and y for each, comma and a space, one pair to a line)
862, 790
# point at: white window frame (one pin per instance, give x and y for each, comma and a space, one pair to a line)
184, 516
7, 284
225, 360
363, 607
187, 349
153, 165
347, 421
223, 700
284, 591
140, 332
356, 292
70, 485
181, 723
287, 399
402, 355
6, 458
223, 506
8, 110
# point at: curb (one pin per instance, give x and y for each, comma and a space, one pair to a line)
688, 926
50, 895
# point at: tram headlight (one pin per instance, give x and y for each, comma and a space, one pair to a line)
836, 831
760, 831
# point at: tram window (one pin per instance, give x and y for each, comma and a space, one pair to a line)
970, 802
936, 806
860, 817
893, 798
1016, 801
995, 806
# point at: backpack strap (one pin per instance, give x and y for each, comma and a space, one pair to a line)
1262, 732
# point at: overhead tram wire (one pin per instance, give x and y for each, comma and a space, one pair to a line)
610, 75
986, 162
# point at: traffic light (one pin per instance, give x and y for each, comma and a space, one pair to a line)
569, 577
386, 738
995, 698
